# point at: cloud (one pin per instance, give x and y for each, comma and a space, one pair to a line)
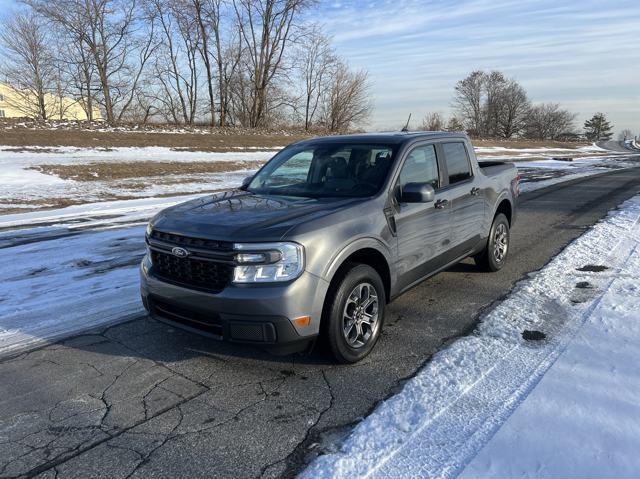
573, 52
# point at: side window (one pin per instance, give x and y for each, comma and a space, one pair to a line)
455, 155
421, 166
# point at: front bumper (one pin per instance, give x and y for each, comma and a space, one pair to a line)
260, 314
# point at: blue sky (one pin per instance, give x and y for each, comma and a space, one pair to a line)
582, 54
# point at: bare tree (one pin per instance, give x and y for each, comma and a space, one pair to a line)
176, 60
513, 109
118, 42
203, 27
348, 102
29, 65
491, 104
625, 134
221, 51
468, 101
432, 122
266, 28
317, 62
548, 121
493, 107
77, 72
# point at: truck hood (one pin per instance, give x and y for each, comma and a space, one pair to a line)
242, 216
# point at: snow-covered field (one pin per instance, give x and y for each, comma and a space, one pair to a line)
500, 151
494, 404
22, 187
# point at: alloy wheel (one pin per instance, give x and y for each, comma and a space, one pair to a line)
360, 316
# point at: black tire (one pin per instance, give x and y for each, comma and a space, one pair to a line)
346, 348
494, 255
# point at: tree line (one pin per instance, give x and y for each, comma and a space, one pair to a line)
491, 105
251, 63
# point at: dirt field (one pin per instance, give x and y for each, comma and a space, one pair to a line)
141, 169
529, 143
25, 134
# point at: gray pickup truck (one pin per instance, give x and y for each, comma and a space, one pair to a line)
323, 236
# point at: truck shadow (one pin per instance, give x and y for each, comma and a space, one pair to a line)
149, 339
467, 266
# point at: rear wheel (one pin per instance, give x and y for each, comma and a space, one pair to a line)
494, 256
355, 313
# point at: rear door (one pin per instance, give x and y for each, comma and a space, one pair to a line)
422, 228
467, 200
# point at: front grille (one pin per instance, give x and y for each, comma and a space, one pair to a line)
186, 241
208, 276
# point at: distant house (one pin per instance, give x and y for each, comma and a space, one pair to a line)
21, 103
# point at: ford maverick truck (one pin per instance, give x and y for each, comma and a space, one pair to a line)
324, 236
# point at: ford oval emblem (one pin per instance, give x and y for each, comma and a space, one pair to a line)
179, 252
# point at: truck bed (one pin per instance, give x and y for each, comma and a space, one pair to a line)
494, 168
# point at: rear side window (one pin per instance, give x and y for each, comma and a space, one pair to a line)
458, 165
420, 166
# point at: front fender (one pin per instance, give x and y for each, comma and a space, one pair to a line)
348, 249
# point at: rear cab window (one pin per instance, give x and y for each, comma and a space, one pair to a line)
457, 161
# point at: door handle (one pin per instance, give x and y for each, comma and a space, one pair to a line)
475, 190
441, 204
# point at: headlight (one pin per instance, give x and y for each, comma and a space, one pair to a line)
149, 228
267, 262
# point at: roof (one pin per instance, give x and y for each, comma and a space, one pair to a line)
394, 137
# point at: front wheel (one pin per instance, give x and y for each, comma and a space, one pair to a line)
494, 256
355, 313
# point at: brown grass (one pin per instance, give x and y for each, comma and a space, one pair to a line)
23, 134
229, 141
529, 143
39, 204
112, 171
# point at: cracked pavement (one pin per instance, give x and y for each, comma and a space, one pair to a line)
142, 399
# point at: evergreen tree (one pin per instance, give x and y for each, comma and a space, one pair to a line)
454, 124
598, 128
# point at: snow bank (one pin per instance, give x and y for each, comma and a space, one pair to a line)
583, 418
445, 415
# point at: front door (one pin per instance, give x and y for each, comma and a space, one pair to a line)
422, 228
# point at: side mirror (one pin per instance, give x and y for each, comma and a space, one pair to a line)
245, 182
417, 193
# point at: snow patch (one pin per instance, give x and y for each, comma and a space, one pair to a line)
54, 288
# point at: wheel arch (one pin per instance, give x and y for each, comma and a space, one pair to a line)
504, 207
370, 252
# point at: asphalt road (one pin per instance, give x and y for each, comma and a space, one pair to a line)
143, 400
616, 145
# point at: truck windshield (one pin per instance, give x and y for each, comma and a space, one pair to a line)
325, 170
